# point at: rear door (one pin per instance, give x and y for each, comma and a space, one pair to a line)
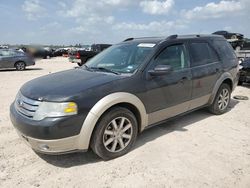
206, 68
6, 59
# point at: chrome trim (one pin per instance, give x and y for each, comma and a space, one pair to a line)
25, 106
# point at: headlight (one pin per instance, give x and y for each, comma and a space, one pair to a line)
51, 109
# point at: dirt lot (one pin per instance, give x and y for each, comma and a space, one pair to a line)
197, 150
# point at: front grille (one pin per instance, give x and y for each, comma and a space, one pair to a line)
25, 106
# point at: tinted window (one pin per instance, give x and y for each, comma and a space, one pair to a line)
6, 53
202, 54
174, 56
224, 49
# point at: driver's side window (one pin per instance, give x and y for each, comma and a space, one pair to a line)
174, 56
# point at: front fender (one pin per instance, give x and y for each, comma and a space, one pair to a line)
101, 106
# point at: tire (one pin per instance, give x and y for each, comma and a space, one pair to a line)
234, 37
79, 64
240, 83
20, 66
222, 100
115, 133
238, 48
46, 57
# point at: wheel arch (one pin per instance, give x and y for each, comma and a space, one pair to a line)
121, 99
225, 78
19, 62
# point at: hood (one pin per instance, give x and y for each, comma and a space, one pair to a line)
62, 86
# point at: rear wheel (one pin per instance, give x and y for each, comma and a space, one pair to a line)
222, 100
115, 133
240, 83
20, 66
238, 48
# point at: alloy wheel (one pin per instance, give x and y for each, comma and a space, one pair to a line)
20, 66
117, 134
223, 99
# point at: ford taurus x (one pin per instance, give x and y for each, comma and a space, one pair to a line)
126, 88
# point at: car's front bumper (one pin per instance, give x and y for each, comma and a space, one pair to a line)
50, 135
52, 147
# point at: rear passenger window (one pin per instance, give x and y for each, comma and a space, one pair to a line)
202, 54
224, 49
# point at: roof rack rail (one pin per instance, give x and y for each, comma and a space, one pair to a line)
172, 37
128, 39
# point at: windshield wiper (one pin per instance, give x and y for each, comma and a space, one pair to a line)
104, 69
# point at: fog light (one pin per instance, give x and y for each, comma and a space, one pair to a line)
44, 147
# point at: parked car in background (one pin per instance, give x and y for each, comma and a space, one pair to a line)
242, 45
82, 56
60, 52
125, 89
15, 59
41, 53
229, 35
4, 47
244, 71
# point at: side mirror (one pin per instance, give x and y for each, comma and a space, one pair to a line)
160, 70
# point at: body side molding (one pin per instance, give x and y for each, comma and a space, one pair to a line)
101, 106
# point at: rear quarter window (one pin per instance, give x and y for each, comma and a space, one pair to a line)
224, 49
202, 53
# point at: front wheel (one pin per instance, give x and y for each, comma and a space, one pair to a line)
115, 133
222, 100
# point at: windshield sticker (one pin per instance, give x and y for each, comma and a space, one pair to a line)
146, 45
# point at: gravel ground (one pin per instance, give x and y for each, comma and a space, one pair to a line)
196, 150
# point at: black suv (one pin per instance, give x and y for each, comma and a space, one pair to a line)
140, 82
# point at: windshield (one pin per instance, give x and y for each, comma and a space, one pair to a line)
122, 58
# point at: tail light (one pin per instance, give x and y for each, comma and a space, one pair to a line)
77, 55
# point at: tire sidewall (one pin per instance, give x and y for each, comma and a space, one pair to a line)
97, 141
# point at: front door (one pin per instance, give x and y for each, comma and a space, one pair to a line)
168, 95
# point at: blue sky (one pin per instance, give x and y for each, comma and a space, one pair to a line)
110, 21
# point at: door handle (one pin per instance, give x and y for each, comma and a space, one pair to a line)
183, 79
217, 70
